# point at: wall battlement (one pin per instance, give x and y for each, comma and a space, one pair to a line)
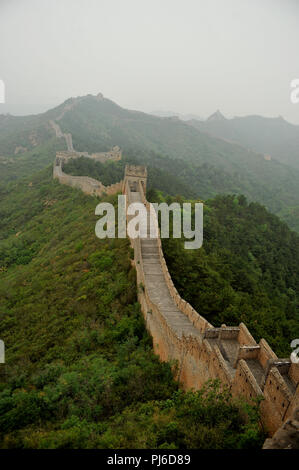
113, 155
136, 171
88, 185
134, 175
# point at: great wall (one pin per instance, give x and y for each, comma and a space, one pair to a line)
87, 185
180, 334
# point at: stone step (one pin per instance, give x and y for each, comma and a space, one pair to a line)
156, 285
149, 249
145, 242
166, 305
179, 320
150, 256
153, 268
150, 261
172, 311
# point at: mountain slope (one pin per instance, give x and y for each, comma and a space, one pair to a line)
205, 165
80, 371
273, 137
100, 123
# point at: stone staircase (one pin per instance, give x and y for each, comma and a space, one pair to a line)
156, 285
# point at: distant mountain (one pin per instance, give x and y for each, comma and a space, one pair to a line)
216, 117
273, 137
203, 164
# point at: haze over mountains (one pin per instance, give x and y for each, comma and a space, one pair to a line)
274, 137
202, 164
108, 342
81, 371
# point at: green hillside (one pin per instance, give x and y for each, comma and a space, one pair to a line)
203, 166
270, 136
80, 371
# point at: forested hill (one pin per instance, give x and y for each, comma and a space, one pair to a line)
247, 270
273, 137
80, 371
203, 164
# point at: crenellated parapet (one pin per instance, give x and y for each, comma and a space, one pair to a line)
113, 155
88, 185
135, 175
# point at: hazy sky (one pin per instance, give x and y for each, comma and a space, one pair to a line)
189, 56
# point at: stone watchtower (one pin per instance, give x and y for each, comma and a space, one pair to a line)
133, 175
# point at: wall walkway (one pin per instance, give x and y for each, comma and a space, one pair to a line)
87, 185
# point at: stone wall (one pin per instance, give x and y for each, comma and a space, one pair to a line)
59, 134
88, 185
198, 351
230, 354
113, 155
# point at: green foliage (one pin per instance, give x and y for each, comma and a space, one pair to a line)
80, 371
181, 159
207, 419
271, 136
201, 164
108, 173
246, 271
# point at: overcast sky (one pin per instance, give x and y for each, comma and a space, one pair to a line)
188, 56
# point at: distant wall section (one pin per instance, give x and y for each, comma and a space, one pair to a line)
88, 185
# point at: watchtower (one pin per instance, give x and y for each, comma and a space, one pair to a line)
135, 174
